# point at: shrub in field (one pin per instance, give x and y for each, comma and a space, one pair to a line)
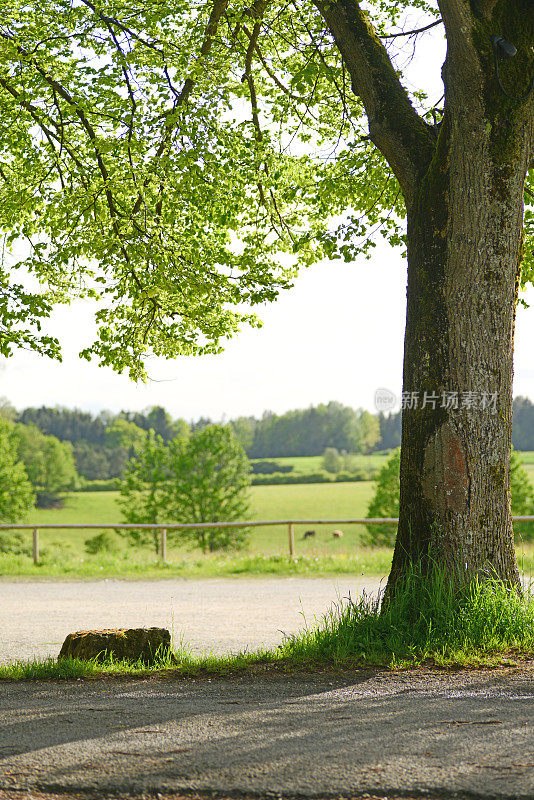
101, 543
357, 475
332, 460
344, 466
14, 543
203, 478
16, 493
385, 503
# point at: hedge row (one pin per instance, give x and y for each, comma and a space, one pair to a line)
278, 478
274, 479
102, 485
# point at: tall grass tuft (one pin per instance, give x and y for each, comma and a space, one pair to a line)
429, 620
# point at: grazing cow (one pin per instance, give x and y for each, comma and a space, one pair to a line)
307, 534
337, 534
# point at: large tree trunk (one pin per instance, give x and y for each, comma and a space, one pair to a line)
465, 229
463, 185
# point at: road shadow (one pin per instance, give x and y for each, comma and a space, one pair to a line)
371, 730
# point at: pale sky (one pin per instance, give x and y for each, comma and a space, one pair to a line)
337, 335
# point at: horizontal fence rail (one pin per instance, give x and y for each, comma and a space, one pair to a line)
164, 527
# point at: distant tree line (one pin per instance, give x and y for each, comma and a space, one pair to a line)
102, 444
308, 432
523, 427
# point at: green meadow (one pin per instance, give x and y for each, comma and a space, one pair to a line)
301, 501
64, 554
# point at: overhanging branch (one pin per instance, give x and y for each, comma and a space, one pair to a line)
395, 127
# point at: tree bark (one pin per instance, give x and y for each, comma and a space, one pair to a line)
465, 241
463, 184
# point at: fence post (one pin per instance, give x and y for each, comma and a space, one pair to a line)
35, 547
291, 540
163, 545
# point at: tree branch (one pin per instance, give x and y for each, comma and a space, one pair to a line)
411, 33
395, 127
37, 117
129, 31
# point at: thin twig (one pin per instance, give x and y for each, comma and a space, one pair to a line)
410, 33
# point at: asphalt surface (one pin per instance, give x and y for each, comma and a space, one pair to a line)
219, 615
431, 734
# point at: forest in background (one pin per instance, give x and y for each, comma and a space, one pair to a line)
102, 444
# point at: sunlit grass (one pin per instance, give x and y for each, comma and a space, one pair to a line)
135, 566
179, 662
428, 622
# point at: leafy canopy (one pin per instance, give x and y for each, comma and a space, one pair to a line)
178, 160
137, 167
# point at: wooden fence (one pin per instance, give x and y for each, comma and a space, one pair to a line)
164, 527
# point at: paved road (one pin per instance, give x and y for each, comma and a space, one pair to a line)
388, 734
218, 615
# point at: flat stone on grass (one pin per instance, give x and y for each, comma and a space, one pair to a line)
130, 644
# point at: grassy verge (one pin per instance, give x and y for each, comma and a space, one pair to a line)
176, 664
139, 565
135, 566
428, 623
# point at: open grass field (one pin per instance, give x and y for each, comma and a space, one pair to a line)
310, 501
304, 501
300, 464
64, 551
305, 464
